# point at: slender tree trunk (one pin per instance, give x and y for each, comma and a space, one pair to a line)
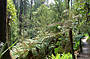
31, 10
88, 10
25, 7
71, 41
88, 16
3, 32
20, 17
67, 4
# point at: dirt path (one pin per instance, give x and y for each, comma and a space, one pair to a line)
86, 49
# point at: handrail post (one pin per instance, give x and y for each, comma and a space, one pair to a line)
71, 42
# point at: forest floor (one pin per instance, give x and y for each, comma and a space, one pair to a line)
86, 49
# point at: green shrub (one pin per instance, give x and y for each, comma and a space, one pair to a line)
77, 41
64, 56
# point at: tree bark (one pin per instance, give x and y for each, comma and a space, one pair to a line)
20, 17
3, 31
31, 10
3, 20
71, 41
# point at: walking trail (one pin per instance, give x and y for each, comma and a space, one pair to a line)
86, 49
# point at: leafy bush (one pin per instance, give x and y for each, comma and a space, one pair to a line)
64, 56
77, 41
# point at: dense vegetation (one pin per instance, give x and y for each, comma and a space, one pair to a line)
39, 29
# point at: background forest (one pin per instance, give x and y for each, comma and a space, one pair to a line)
39, 29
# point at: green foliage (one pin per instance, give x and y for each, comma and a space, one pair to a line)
87, 35
42, 28
11, 11
64, 56
63, 46
77, 41
43, 15
41, 20
76, 46
13, 22
80, 10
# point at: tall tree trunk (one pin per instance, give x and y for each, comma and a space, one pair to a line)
25, 6
3, 4
20, 17
67, 4
88, 10
31, 10
3, 20
71, 42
